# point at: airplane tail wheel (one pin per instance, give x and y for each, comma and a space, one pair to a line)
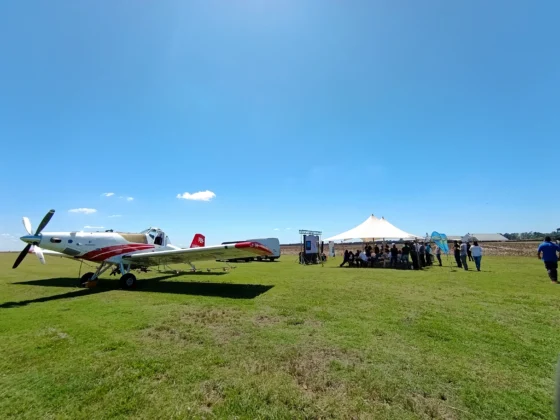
84, 279
128, 281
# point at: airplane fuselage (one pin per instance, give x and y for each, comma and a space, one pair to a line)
93, 246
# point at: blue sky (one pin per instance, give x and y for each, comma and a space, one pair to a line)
437, 115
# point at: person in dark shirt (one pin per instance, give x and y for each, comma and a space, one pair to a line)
404, 256
422, 254
457, 252
346, 258
547, 251
414, 257
469, 253
394, 256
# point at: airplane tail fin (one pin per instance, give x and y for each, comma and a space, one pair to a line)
198, 241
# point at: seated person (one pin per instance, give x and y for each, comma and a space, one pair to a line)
364, 260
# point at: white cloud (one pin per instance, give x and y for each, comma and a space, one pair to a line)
197, 196
94, 227
115, 215
127, 198
276, 229
108, 194
83, 210
288, 228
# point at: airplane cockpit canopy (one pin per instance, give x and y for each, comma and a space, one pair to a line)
155, 236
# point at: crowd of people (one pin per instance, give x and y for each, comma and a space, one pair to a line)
415, 255
465, 252
411, 255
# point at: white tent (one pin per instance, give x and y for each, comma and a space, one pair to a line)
373, 229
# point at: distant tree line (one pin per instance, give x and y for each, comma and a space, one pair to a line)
528, 236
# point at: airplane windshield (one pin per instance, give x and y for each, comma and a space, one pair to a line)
156, 235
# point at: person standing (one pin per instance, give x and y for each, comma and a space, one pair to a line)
438, 255
547, 252
476, 251
463, 254
457, 253
414, 256
404, 256
469, 253
422, 254
428, 254
346, 258
394, 255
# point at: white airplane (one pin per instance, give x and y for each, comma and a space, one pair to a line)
126, 251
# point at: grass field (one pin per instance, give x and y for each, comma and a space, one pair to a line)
280, 340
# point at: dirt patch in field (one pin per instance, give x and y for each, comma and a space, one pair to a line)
166, 333
313, 368
195, 327
433, 407
263, 320
223, 324
211, 393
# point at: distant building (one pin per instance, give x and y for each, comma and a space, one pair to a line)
482, 237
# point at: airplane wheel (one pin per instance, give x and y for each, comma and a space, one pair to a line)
128, 281
84, 279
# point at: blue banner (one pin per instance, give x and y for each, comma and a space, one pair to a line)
440, 239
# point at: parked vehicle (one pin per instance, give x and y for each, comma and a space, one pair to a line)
271, 243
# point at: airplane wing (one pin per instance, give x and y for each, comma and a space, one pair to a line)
190, 255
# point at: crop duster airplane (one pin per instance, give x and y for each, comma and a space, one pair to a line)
126, 251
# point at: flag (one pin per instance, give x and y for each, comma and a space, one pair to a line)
440, 239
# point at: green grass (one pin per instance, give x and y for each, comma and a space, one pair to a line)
280, 340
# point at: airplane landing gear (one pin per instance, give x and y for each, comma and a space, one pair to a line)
128, 281
85, 279
89, 280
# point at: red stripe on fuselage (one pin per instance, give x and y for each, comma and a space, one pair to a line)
106, 256
99, 251
112, 251
257, 246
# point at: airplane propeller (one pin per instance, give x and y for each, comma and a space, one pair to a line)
33, 239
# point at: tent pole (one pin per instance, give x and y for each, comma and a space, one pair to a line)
383, 252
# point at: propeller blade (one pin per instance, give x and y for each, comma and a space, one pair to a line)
39, 252
44, 222
27, 225
22, 255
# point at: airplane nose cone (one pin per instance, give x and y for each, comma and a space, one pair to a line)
30, 239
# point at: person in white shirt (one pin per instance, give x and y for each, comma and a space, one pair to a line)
476, 251
438, 254
463, 255
364, 259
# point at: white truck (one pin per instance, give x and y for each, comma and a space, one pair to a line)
271, 243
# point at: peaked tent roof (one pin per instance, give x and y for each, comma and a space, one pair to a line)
373, 228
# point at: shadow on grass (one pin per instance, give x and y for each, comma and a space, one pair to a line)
68, 295
225, 290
